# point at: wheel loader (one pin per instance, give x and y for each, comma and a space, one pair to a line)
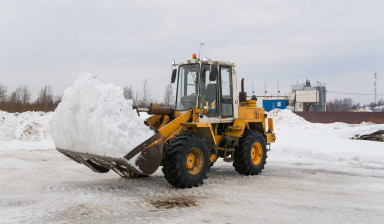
210, 120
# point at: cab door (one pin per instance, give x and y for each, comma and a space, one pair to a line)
208, 92
226, 94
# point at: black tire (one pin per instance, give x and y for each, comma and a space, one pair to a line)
175, 165
243, 161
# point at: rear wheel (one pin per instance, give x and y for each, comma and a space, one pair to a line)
186, 160
251, 154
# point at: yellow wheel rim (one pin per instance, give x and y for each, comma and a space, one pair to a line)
194, 161
256, 153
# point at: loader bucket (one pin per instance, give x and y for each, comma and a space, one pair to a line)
149, 158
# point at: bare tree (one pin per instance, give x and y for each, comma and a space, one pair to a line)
345, 104
57, 99
169, 98
147, 95
372, 105
356, 106
18, 100
136, 98
128, 93
14, 98
25, 94
3, 93
21, 95
45, 99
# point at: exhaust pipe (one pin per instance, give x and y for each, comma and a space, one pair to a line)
242, 94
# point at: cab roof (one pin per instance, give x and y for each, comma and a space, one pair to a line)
209, 61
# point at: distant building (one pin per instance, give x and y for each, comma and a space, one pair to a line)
304, 97
261, 99
362, 110
270, 104
378, 108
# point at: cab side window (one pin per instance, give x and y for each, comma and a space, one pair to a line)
226, 91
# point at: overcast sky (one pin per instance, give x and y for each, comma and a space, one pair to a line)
125, 42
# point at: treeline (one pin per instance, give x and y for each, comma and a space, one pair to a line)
19, 100
347, 104
144, 98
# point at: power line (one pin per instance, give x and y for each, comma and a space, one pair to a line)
363, 94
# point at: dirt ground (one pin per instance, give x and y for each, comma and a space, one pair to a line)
43, 186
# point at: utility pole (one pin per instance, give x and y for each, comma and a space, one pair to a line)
374, 85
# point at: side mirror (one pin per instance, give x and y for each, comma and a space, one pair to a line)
213, 73
173, 78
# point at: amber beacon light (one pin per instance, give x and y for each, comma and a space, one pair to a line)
193, 56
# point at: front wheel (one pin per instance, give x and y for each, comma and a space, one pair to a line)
251, 154
186, 160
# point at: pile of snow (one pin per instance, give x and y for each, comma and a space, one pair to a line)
94, 117
299, 141
27, 126
286, 118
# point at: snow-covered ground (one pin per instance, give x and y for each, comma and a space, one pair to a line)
315, 173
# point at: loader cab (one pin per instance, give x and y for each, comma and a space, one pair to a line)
208, 85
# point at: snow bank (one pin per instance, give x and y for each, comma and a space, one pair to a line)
286, 118
27, 126
299, 141
94, 117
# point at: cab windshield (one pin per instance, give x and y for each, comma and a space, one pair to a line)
187, 86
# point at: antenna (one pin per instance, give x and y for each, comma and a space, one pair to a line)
265, 88
278, 89
374, 86
252, 89
201, 44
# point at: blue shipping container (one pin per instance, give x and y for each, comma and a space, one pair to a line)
273, 104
